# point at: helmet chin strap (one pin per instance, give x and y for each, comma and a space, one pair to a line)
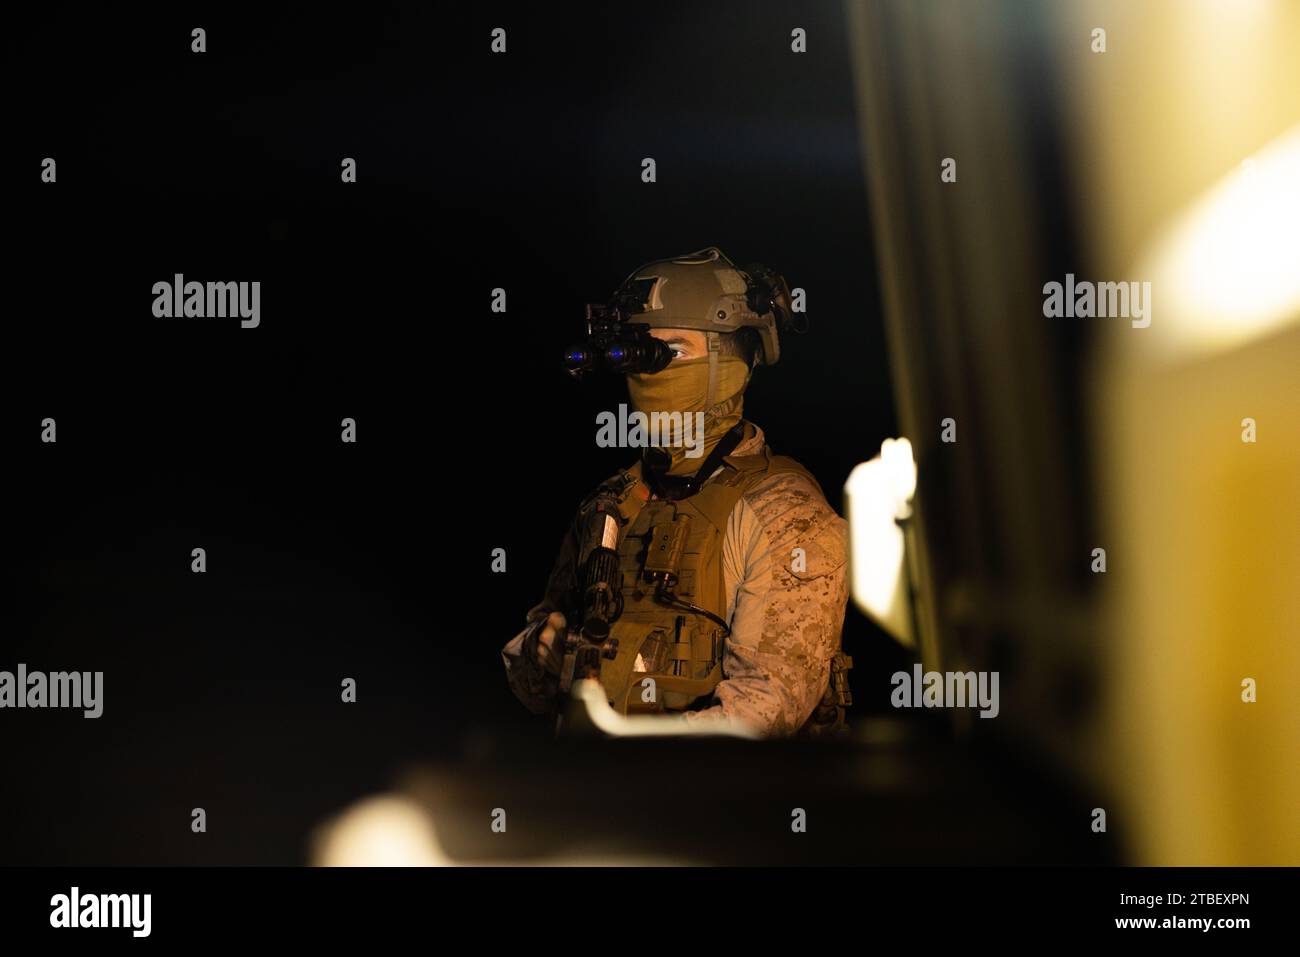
715, 344
714, 340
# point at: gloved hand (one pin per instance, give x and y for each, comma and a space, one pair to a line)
544, 646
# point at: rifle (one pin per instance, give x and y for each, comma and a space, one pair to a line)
601, 597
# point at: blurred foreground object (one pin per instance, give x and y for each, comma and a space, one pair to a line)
893, 791
385, 831
589, 713
1113, 524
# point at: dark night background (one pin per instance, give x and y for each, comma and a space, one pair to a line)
371, 560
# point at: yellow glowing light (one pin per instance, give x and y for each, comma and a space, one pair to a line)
876, 494
1228, 271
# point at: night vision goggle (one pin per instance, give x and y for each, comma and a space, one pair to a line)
617, 344
703, 290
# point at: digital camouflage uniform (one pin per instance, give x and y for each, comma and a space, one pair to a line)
785, 608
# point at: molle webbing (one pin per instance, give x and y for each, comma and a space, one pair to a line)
680, 649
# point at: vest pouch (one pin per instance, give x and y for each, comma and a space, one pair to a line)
695, 667
682, 672
644, 651
651, 662
653, 656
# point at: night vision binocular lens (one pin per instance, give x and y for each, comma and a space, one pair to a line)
642, 353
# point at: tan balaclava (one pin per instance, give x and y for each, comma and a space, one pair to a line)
712, 384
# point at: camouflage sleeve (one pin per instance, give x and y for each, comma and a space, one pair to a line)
790, 551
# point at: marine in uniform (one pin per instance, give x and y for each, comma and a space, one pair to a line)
705, 585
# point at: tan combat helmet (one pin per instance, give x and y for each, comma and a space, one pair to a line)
705, 290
